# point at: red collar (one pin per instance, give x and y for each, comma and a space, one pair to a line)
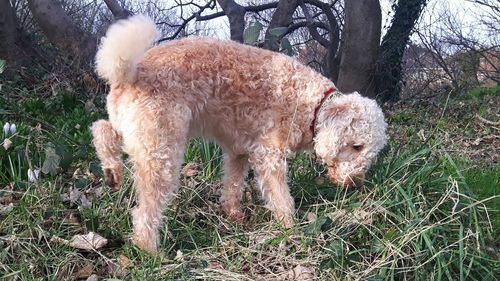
325, 95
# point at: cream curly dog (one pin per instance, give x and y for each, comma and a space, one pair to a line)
256, 104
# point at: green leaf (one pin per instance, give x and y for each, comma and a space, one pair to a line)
82, 183
278, 31
337, 248
321, 224
272, 43
51, 163
252, 33
286, 47
376, 278
2, 66
96, 169
327, 264
66, 157
90, 218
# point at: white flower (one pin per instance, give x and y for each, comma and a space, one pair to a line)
7, 143
33, 175
6, 128
13, 128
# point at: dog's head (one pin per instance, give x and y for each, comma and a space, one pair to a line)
351, 131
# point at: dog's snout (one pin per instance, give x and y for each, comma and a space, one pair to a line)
351, 180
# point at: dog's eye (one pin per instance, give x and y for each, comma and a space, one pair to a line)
358, 147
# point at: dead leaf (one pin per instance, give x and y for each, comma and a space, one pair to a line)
89, 105
74, 196
421, 135
363, 217
71, 219
84, 272
300, 272
179, 256
6, 199
90, 241
124, 261
114, 269
85, 202
311, 217
93, 277
7, 143
5, 209
98, 192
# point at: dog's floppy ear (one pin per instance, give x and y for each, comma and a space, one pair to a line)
337, 110
334, 122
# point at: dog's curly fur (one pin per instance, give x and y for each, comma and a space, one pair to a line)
256, 104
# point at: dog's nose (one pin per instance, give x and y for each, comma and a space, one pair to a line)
354, 181
349, 182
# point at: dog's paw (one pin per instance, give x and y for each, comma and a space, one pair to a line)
237, 216
148, 245
234, 213
285, 219
113, 178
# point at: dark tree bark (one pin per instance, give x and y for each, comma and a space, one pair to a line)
363, 22
236, 15
282, 17
61, 31
8, 32
117, 10
389, 71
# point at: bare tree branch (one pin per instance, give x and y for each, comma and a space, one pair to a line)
312, 29
118, 11
315, 24
254, 9
487, 3
210, 4
282, 17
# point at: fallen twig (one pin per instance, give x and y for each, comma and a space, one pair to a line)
486, 121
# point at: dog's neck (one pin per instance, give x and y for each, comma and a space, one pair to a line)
327, 97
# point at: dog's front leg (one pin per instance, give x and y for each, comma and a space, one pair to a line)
269, 165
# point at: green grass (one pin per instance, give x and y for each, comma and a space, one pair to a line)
479, 92
485, 183
425, 213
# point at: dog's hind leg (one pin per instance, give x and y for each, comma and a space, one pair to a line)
155, 141
235, 168
108, 143
269, 165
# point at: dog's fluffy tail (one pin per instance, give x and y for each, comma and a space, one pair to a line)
125, 43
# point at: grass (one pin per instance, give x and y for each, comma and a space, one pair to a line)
426, 213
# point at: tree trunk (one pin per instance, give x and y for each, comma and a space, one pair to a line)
282, 17
236, 15
117, 10
8, 33
363, 20
389, 71
62, 32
